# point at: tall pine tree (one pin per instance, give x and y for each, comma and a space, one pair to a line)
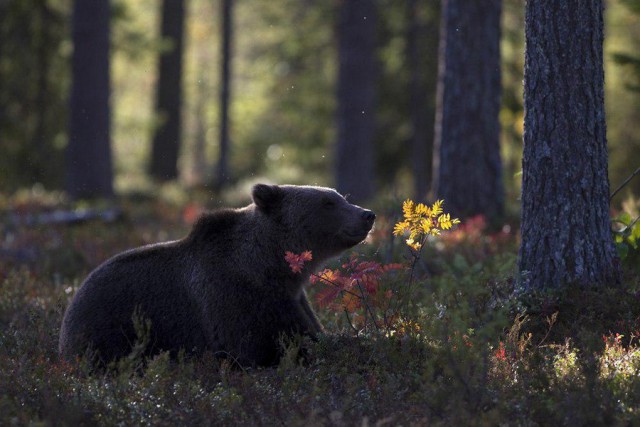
467, 166
166, 139
88, 170
356, 98
566, 235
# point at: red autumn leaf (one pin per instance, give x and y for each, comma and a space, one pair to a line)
327, 296
501, 352
393, 266
296, 262
351, 302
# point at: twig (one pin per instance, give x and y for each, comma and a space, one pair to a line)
367, 307
626, 181
329, 282
416, 257
630, 226
336, 285
346, 313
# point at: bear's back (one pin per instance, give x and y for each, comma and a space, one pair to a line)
148, 282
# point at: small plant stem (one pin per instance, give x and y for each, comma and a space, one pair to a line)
367, 307
346, 313
327, 281
416, 257
626, 181
387, 321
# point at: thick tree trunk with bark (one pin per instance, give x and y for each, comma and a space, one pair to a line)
356, 99
467, 168
566, 236
89, 172
166, 139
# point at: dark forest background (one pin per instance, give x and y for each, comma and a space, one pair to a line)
282, 118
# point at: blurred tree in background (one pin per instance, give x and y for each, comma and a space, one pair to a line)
468, 170
222, 171
631, 60
167, 136
422, 38
407, 60
623, 91
286, 97
88, 157
34, 80
512, 104
356, 98
285, 69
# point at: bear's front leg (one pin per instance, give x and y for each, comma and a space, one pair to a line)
314, 324
261, 343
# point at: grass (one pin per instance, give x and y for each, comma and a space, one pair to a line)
474, 354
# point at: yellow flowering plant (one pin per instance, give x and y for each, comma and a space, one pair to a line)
420, 221
361, 289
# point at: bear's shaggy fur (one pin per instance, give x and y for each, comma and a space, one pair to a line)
225, 288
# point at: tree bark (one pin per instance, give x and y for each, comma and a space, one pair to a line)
89, 172
166, 140
356, 99
467, 168
566, 236
222, 172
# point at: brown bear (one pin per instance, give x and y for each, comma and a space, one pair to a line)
225, 288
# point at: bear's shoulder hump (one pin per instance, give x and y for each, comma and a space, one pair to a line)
215, 223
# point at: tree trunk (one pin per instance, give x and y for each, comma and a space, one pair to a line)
467, 170
41, 151
89, 172
566, 236
356, 99
199, 151
166, 140
222, 172
422, 37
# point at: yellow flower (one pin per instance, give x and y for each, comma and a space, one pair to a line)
437, 208
407, 208
446, 222
413, 244
425, 225
420, 221
422, 210
400, 228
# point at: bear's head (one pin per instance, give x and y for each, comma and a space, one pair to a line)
314, 218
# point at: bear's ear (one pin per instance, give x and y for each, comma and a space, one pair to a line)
267, 197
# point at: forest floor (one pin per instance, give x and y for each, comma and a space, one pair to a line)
449, 341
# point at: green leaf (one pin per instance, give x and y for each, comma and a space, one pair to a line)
460, 263
624, 218
636, 230
623, 250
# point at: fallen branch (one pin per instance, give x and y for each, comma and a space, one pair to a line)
66, 217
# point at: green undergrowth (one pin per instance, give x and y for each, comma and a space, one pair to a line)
469, 350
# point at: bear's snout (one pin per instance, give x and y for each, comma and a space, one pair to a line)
368, 216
